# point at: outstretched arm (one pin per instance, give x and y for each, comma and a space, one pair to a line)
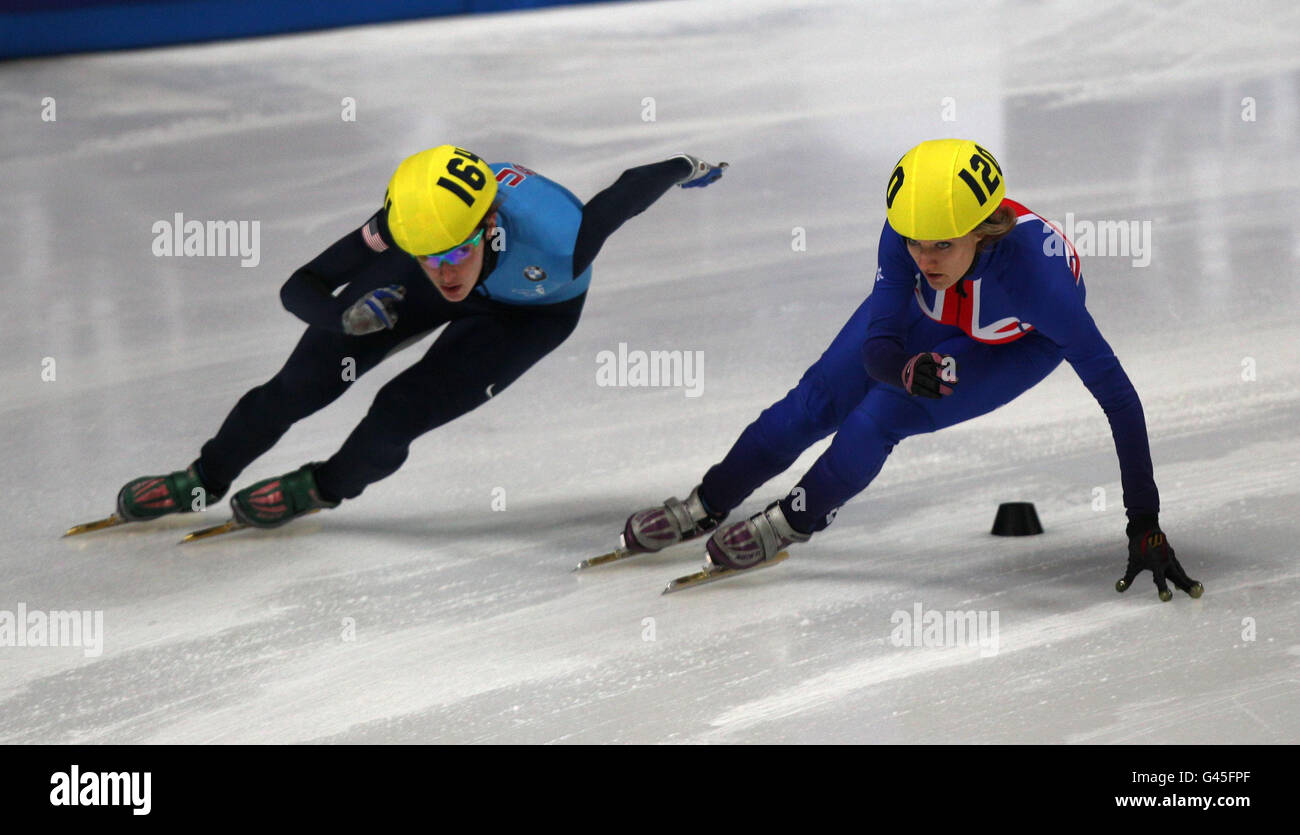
1056, 308
630, 195
1054, 304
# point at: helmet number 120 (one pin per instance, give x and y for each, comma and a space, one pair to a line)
985, 164
471, 177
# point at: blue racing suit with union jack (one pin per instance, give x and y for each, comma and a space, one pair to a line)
1013, 317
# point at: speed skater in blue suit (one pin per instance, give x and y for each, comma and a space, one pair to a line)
496, 255
976, 300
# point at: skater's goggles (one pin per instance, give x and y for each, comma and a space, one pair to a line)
456, 255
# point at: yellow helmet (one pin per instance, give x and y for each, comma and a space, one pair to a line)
437, 198
943, 188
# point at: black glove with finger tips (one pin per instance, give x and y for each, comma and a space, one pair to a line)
1149, 548
922, 376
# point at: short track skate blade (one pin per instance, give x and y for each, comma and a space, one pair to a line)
230, 527
98, 525
604, 559
215, 530
711, 574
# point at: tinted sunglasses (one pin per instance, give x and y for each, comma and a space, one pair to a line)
455, 255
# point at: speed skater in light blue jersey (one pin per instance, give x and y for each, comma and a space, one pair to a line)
498, 253
976, 300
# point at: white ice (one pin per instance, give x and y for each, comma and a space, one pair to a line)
469, 626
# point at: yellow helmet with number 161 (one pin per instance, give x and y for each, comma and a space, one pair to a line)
943, 188
437, 199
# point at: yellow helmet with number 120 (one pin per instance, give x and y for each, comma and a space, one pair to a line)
437, 198
943, 188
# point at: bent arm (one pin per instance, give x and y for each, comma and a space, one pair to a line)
309, 292
890, 306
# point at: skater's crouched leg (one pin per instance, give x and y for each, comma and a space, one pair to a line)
855, 457
768, 446
473, 361
803, 417
319, 370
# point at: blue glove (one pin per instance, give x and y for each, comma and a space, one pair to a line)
702, 173
375, 311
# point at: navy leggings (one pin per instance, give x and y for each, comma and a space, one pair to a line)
868, 417
485, 347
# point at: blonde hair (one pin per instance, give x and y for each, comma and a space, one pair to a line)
995, 227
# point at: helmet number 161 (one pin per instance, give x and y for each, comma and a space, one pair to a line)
471, 177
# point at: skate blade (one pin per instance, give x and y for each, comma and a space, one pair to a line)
215, 530
713, 573
97, 525
230, 527
604, 559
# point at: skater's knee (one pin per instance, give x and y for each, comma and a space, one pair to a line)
809, 410
823, 412
797, 421
858, 452
300, 394
868, 428
406, 412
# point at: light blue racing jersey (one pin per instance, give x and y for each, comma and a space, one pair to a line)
538, 226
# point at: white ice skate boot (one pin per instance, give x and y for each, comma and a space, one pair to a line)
757, 539
672, 522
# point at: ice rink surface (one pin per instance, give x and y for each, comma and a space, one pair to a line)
418, 613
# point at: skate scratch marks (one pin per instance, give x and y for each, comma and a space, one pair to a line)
825, 690
898, 663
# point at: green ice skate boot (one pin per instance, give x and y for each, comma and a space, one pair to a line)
275, 501
152, 496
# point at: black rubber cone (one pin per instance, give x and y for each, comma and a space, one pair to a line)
1016, 519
